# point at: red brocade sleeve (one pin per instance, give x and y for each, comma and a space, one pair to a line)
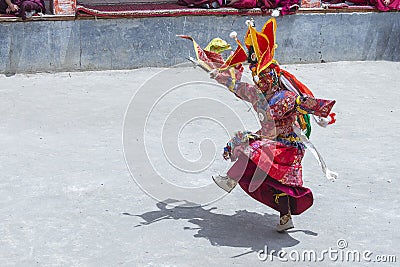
316, 106
284, 102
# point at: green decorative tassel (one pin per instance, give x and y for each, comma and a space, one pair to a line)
305, 120
308, 124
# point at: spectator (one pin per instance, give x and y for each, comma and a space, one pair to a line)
7, 7
386, 5
283, 7
22, 8
202, 3
382, 5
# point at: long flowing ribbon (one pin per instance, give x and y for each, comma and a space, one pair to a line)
331, 175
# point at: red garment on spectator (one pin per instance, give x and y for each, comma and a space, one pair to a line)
288, 6
380, 4
200, 3
37, 5
243, 4
24, 6
4, 6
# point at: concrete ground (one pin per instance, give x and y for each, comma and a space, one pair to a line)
70, 142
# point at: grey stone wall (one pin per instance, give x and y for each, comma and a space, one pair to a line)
104, 44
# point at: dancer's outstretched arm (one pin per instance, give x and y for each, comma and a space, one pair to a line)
231, 80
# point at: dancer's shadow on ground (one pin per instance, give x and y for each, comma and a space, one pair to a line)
244, 229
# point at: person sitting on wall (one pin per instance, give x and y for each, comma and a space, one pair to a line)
382, 5
386, 5
7, 7
23, 8
280, 7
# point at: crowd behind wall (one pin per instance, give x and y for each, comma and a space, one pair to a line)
29, 8
286, 7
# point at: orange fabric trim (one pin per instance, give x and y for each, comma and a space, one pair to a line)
300, 86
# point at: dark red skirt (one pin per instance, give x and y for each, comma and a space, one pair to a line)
263, 188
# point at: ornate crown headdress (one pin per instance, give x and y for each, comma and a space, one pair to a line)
261, 46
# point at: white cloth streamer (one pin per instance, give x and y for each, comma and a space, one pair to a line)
328, 173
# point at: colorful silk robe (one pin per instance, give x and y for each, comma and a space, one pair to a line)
277, 150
